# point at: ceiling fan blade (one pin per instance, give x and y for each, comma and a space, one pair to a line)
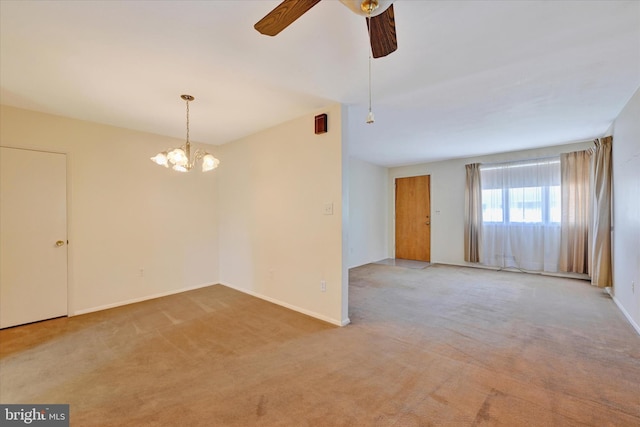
283, 15
383, 33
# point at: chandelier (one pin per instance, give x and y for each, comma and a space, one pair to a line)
180, 158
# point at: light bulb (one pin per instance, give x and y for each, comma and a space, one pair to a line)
179, 168
160, 159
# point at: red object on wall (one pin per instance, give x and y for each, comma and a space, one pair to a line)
321, 124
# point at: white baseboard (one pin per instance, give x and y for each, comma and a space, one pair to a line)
344, 322
135, 300
626, 314
318, 316
563, 275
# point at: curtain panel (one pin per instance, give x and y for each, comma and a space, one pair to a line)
601, 274
521, 214
472, 213
576, 213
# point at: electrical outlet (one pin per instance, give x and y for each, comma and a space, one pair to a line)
141, 272
633, 287
328, 209
323, 286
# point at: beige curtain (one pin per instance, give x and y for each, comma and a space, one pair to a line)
576, 213
601, 242
472, 213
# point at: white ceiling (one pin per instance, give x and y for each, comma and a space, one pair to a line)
468, 78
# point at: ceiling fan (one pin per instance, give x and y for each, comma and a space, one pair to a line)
379, 16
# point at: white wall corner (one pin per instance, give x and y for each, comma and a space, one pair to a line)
304, 311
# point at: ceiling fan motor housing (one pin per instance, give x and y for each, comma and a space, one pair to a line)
367, 7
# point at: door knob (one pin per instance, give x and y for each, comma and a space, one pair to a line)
427, 223
59, 243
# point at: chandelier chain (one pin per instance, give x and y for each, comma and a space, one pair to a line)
187, 121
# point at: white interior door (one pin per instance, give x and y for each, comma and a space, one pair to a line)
33, 236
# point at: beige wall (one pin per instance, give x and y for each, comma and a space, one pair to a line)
447, 198
276, 241
368, 213
257, 223
124, 212
626, 210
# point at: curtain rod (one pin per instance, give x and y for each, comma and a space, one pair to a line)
522, 160
540, 158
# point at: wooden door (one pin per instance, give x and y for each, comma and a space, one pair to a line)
413, 218
33, 236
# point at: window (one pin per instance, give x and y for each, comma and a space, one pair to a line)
492, 205
521, 193
521, 214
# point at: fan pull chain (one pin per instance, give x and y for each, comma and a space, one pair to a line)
370, 118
